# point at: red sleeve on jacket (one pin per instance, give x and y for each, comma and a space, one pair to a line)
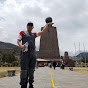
35, 34
21, 33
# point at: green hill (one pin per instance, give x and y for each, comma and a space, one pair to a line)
8, 47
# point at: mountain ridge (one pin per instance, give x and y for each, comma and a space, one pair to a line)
9, 47
83, 54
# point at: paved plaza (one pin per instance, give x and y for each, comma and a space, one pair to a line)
50, 78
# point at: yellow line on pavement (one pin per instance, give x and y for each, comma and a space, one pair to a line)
52, 80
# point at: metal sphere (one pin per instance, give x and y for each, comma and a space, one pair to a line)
48, 19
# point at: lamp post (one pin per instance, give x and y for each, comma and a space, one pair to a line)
75, 53
80, 54
84, 55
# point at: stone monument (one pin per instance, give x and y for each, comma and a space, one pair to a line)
68, 62
49, 48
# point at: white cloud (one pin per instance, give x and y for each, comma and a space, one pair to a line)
70, 18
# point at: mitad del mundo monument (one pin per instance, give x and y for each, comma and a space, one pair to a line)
49, 47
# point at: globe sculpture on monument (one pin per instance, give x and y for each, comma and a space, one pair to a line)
49, 48
48, 19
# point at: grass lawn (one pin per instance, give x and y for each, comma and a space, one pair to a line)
79, 69
3, 71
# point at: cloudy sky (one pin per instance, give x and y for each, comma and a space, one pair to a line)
69, 16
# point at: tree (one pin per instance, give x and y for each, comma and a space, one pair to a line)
83, 60
15, 63
0, 58
8, 58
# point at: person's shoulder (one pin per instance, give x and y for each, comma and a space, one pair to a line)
36, 34
21, 33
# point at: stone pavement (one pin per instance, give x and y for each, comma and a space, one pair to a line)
60, 79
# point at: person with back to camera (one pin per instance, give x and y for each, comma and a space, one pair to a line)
54, 64
27, 56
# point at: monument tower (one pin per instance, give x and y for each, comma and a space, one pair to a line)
49, 48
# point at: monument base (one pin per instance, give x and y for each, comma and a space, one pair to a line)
45, 62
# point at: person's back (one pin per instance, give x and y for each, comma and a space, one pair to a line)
63, 64
54, 64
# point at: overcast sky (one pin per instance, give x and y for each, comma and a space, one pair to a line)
69, 16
